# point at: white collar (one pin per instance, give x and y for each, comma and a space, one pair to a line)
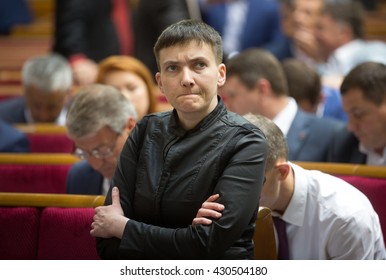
285, 118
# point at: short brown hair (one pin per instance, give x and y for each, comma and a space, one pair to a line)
185, 31
350, 12
254, 64
370, 78
276, 141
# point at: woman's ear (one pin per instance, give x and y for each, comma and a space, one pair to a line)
159, 82
221, 75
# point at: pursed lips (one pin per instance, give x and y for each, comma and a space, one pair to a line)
188, 94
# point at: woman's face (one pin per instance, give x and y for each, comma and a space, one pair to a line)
133, 87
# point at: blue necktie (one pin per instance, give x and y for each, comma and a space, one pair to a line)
280, 225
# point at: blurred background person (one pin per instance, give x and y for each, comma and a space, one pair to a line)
99, 120
364, 100
244, 23
299, 22
13, 13
133, 79
150, 19
88, 31
256, 84
47, 84
340, 36
304, 85
306, 15
12, 140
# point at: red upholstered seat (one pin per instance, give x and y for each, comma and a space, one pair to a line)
50, 143
375, 190
65, 234
19, 230
33, 178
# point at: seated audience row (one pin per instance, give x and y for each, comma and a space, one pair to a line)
317, 216
329, 36
100, 119
48, 88
256, 84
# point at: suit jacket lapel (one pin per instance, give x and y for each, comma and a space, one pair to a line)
297, 134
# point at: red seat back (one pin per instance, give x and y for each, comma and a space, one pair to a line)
50, 143
65, 234
19, 230
33, 178
375, 190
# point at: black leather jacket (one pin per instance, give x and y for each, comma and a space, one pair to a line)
164, 175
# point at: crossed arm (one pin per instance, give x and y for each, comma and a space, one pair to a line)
109, 221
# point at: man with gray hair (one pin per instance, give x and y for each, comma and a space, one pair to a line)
99, 120
47, 83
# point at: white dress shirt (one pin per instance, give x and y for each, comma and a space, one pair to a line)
329, 219
373, 158
351, 54
236, 14
285, 118
105, 186
61, 120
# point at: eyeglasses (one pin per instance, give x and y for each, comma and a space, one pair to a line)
99, 153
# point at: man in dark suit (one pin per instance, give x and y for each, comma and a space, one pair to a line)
47, 84
13, 13
364, 100
88, 31
151, 18
245, 23
99, 120
12, 140
83, 179
256, 84
345, 148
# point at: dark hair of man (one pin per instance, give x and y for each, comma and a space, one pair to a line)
370, 78
349, 12
303, 81
276, 142
254, 64
186, 31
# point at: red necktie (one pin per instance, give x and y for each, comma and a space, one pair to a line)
280, 225
122, 21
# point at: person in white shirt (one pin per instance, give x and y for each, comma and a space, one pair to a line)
340, 36
326, 218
